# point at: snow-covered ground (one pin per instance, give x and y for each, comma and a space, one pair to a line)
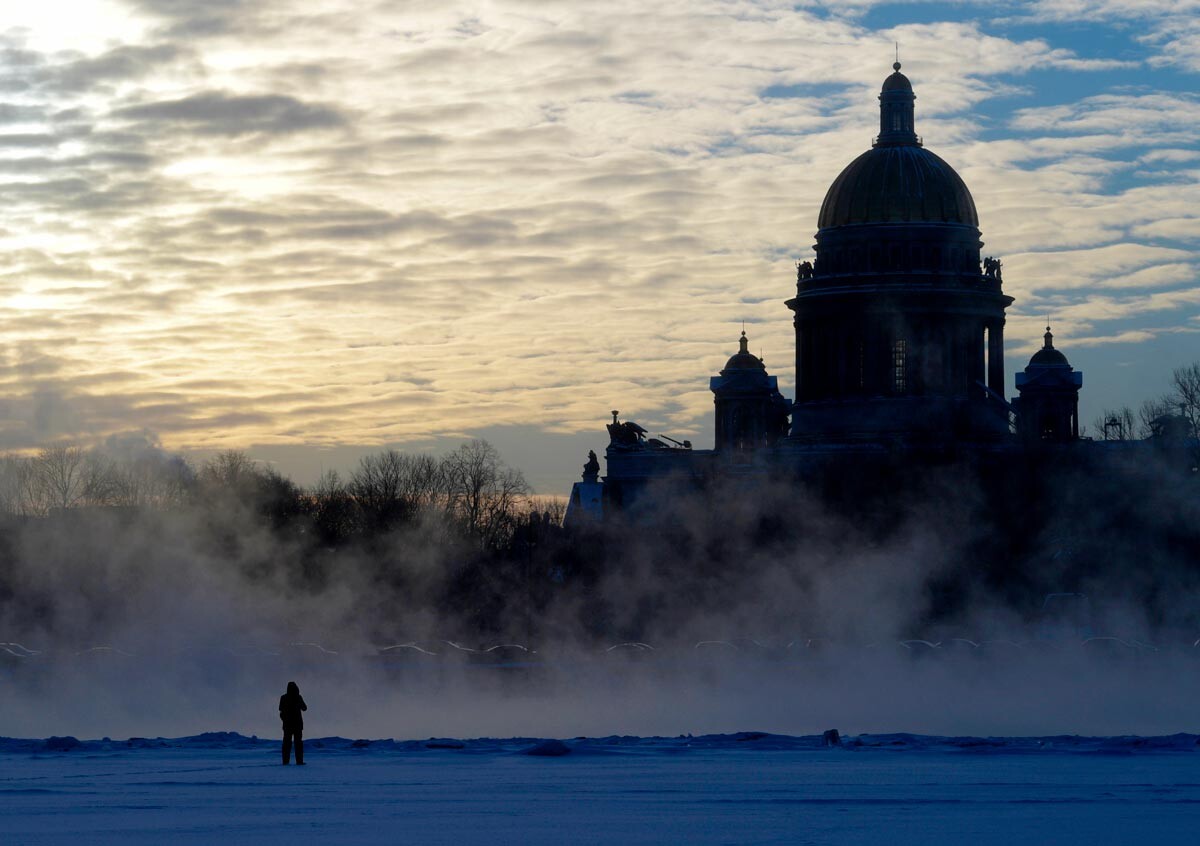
741, 788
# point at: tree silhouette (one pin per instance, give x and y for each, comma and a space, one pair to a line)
391, 488
484, 492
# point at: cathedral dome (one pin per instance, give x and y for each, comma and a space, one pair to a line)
743, 359
897, 81
897, 184
897, 180
1048, 356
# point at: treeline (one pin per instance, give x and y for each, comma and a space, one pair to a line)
470, 490
1181, 404
405, 545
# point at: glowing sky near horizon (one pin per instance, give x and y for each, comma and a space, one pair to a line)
269, 224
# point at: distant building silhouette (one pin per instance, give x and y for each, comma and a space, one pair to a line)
899, 327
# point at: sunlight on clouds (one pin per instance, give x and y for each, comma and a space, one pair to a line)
1115, 113
32, 301
1129, 336
243, 176
1087, 266
1176, 228
84, 25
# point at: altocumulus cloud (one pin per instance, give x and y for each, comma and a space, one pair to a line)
298, 223
222, 113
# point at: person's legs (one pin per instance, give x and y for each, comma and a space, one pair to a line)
287, 747
300, 747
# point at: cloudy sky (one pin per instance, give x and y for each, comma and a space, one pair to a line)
315, 227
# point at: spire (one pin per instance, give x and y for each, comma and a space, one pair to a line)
743, 343
1048, 338
896, 121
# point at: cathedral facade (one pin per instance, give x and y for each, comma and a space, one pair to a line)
899, 324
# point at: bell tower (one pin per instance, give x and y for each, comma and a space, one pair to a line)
1048, 407
751, 413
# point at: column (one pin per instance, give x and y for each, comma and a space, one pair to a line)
801, 360
995, 378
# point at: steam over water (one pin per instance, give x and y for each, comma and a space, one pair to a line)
1072, 690
777, 617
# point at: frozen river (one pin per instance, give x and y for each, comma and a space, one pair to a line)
748, 788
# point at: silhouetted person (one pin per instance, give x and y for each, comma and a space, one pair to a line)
291, 708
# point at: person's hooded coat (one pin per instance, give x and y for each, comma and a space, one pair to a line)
291, 706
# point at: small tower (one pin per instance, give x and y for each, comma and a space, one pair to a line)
896, 121
751, 413
1048, 406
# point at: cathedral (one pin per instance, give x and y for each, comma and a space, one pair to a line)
899, 325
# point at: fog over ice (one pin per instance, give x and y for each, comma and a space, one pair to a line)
197, 610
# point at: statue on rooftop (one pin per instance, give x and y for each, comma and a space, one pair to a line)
591, 470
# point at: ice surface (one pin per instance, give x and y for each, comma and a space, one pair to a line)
533, 781
751, 787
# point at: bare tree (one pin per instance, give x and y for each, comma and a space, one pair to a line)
233, 477
551, 509
19, 494
1185, 383
1151, 412
484, 493
392, 488
230, 469
333, 510
64, 477
152, 480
